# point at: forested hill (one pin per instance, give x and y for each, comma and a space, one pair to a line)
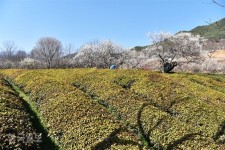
213, 31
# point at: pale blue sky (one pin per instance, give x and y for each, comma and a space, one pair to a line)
125, 22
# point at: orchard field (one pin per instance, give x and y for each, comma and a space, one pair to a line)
112, 109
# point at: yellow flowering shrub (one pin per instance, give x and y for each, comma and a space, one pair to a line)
15, 123
72, 118
127, 109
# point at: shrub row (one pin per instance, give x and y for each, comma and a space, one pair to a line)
17, 131
73, 119
186, 114
170, 111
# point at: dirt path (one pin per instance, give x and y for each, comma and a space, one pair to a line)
219, 54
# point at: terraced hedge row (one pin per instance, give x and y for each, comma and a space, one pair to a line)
128, 109
16, 129
73, 119
184, 114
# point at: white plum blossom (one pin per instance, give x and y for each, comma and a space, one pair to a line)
168, 47
98, 54
29, 63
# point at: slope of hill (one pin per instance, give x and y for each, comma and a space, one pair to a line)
214, 31
139, 48
127, 109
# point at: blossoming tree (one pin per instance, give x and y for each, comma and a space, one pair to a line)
168, 48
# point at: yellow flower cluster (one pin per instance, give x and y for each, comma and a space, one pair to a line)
72, 118
127, 109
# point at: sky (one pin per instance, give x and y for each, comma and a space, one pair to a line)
76, 22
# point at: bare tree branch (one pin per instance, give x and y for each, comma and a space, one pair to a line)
8, 49
217, 3
209, 22
49, 49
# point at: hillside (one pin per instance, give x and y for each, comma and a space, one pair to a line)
125, 109
214, 31
139, 48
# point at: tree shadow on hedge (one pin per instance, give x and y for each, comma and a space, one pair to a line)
113, 139
219, 133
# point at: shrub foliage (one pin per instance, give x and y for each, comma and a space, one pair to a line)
127, 109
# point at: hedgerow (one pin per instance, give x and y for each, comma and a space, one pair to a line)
72, 118
181, 103
128, 109
15, 122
